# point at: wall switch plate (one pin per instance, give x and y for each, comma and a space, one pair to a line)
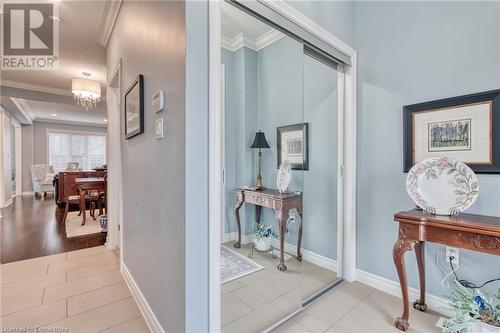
453, 252
158, 129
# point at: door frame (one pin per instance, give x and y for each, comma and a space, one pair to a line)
115, 167
347, 170
19, 156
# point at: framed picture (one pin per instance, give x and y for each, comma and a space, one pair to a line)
134, 108
465, 128
293, 146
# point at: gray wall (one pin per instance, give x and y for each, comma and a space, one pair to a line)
279, 86
412, 52
35, 145
149, 38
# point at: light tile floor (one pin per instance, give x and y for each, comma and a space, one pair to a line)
355, 307
257, 301
82, 291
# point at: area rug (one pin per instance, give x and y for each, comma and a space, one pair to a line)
233, 265
74, 229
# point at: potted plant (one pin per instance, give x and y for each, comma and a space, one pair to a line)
475, 311
262, 237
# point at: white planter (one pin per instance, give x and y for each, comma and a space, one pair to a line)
263, 244
480, 327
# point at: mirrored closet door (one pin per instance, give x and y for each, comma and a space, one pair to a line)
281, 157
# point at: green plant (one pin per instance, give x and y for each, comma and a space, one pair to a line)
472, 305
263, 231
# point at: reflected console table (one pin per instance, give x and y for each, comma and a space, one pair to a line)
281, 203
468, 231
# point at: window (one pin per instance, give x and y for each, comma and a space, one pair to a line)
87, 149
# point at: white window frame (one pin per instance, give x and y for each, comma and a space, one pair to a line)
55, 130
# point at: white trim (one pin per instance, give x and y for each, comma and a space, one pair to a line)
291, 249
7, 203
28, 193
109, 22
24, 108
223, 151
215, 194
19, 157
348, 259
433, 302
115, 168
142, 303
241, 40
307, 255
36, 87
66, 122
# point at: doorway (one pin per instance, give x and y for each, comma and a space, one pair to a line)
268, 98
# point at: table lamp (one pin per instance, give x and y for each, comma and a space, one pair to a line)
259, 142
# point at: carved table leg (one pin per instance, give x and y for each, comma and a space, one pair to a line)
258, 211
419, 251
299, 240
83, 207
282, 226
237, 206
401, 246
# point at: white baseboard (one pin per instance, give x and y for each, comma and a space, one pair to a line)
310, 256
433, 302
233, 236
147, 313
7, 203
28, 193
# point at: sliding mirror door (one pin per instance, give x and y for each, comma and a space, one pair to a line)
263, 90
281, 186
320, 173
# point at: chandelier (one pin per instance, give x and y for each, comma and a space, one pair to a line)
86, 92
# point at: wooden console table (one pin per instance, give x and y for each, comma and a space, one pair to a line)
468, 231
281, 203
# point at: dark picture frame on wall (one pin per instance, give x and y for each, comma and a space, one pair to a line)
464, 127
134, 108
293, 144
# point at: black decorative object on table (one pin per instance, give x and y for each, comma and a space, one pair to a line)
260, 143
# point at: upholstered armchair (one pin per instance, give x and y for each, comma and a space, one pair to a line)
42, 176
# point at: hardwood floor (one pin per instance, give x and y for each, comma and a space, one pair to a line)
31, 228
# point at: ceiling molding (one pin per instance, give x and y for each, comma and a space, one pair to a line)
109, 19
69, 122
241, 40
23, 107
35, 87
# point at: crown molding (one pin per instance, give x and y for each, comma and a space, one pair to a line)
108, 23
23, 107
69, 122
243, 41
35, 87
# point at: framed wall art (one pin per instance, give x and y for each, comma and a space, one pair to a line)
134, 108
293, 145
465, 128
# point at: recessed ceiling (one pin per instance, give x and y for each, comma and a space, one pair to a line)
79, 49
59, 112
235, 21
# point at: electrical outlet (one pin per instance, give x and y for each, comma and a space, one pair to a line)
453, 252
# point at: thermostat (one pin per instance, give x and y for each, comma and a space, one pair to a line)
158, 101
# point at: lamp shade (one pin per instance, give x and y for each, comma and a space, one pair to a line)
260, 141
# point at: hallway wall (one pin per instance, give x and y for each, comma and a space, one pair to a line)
411, 52
149, 38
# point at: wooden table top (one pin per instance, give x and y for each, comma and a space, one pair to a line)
490, 224
271, 192
89, 180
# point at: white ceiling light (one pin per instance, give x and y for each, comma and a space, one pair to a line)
86, 92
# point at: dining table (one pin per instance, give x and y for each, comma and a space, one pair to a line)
85, 185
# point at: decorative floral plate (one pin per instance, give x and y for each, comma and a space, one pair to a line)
284, 176
442, 185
